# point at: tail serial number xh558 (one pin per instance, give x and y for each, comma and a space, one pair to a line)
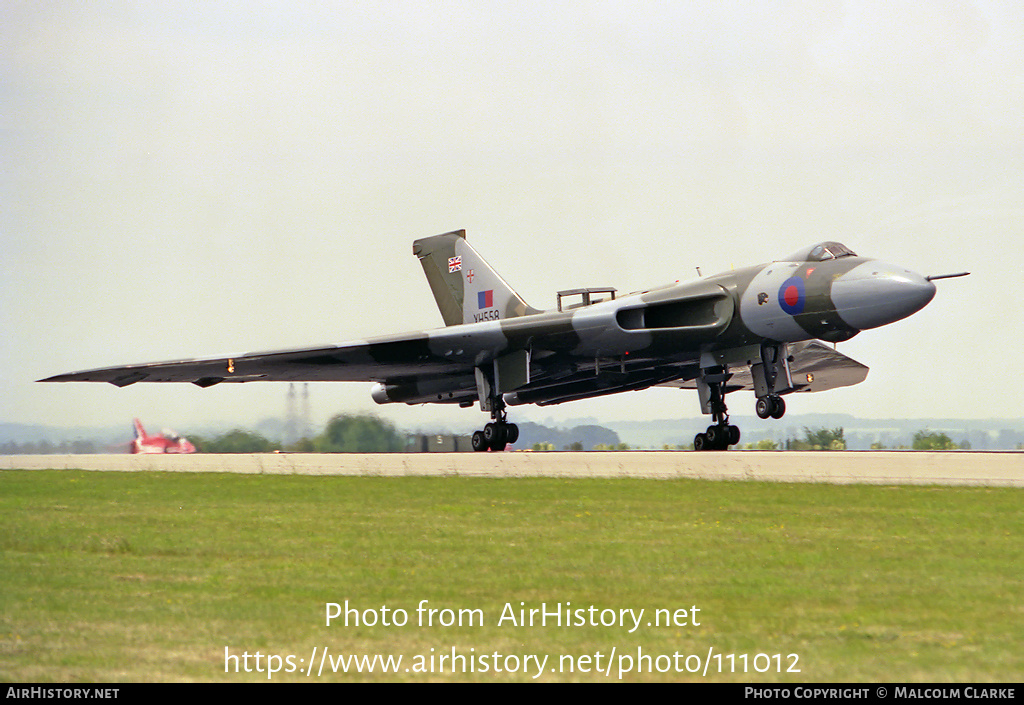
759, 328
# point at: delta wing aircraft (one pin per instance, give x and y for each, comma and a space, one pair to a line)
762, 328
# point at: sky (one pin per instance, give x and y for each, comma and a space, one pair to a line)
187, 180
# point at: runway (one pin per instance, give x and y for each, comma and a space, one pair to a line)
979, 468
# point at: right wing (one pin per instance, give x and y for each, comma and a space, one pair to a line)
816, 367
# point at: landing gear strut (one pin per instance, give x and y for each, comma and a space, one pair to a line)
721, 434
497, 434
773, 366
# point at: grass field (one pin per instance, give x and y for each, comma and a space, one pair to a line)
152, 577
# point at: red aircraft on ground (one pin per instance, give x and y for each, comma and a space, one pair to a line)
166, 442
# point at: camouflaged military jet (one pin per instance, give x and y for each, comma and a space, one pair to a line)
762, 328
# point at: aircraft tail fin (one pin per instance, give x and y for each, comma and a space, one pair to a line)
140, 432
466, 288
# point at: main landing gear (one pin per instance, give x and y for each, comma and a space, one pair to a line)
711, 385
771, 406
770, 374
497, 434
721, 434
718, 437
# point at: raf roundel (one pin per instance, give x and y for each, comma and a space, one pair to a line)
792, 296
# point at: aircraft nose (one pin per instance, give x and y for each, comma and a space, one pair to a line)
877, 293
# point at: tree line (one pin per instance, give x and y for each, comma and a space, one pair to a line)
833, 439
365, 433
345, 433
813, 439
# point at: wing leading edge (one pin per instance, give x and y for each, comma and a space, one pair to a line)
361, 361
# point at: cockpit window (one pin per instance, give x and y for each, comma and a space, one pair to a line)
821, 252
837, 250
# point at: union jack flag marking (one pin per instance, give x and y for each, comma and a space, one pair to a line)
454, 264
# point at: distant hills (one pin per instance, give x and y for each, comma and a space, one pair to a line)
586, 435
982, 434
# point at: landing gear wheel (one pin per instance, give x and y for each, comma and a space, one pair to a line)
499, 432
772, 406
717, 437
496, 435
492, 432
734, 435
714, 435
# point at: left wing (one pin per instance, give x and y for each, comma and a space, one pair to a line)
433, 354
438, 366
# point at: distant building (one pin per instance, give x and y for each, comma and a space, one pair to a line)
437, 443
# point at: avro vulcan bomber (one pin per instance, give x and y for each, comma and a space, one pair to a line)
766, 328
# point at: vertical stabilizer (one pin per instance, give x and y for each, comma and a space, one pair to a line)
466, 288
